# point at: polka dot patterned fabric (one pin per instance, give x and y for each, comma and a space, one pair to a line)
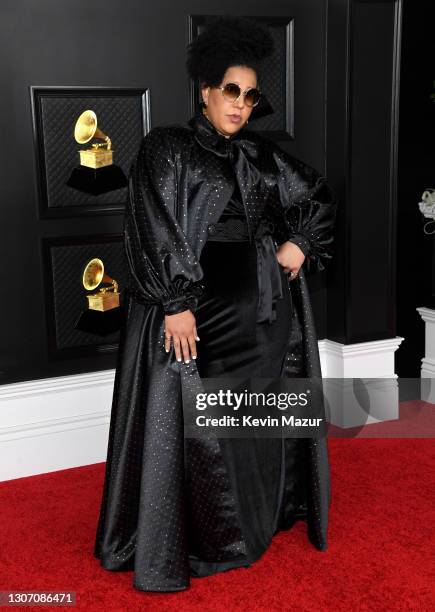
156, 480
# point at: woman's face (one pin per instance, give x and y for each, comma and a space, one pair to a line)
228, 117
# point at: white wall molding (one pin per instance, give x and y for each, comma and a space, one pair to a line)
63, 422
54, 423
59, 383
373, 359
353, 402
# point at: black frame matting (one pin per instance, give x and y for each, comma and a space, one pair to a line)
63, 259
122, 113
276, 80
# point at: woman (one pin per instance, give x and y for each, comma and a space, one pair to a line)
219, 226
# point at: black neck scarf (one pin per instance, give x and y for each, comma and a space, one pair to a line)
209, 138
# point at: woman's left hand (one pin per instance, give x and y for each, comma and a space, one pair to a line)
290, 257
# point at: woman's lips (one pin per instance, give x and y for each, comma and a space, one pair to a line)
235, 118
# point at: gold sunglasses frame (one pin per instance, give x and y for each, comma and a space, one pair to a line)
241, 92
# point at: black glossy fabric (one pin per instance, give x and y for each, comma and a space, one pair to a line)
233, 343
233, 339
234, 207
172, 507
233, 226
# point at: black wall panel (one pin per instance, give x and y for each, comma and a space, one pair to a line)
342, 80
364, 45
117, 44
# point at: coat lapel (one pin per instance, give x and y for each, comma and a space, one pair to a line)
229, 160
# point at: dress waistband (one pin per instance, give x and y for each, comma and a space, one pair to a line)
233, 228
268, 269
236, 228
269, 274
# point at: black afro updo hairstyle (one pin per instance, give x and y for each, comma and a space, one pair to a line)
227, 41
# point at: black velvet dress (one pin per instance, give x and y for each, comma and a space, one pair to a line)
233, 344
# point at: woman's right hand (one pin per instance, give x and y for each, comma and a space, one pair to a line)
181, 327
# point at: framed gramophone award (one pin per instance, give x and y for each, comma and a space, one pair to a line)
85, 141
84, 281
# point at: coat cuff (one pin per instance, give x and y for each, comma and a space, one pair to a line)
180, 303
301, 241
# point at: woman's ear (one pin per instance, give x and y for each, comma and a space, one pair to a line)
204, 93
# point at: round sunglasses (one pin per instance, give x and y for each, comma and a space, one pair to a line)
232, 92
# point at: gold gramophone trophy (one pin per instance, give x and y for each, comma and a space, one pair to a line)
97, 173
107, 297
98, 154
103, 314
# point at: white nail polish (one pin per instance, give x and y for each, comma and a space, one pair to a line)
193, 356
187, 361
179, 359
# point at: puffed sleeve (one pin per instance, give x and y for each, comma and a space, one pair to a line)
310, 208
163, 268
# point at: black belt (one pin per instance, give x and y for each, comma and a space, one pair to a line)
232, 228
269, 275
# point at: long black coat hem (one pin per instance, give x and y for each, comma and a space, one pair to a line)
202, 569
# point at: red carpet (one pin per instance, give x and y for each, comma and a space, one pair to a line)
380, 556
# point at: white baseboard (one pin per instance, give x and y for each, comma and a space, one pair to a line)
428, 361
373, 359
63, 422
351, 400
54, 423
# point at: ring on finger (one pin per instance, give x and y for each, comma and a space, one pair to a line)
167, 341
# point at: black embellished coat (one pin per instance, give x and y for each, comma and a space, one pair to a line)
159, 486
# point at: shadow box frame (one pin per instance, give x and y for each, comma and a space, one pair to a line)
37, 93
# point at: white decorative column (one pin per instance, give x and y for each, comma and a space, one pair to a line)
360, 382
428, 361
